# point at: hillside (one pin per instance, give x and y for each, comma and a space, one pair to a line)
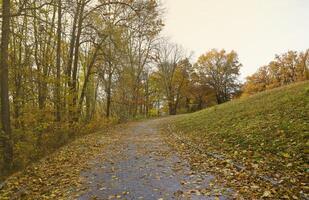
266, 133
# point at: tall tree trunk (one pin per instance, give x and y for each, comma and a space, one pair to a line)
87, 77
94, 100
188, 104
74, 91
108, 91
171, 100
5, 104
147, 97
200, 103
70, 58
58, 54
171, 106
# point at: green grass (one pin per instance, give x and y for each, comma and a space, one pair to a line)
270, 129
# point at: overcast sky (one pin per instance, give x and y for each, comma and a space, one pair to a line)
255, 29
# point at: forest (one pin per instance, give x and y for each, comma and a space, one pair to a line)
70, 68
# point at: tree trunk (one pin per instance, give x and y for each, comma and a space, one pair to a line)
5, 104
88, 106
94, 100
218, 98
147, 98
108, 93
74, 91
200, 103
87, 77
187, 104
58, 54
171, 107
70, 58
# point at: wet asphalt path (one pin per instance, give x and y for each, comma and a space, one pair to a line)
140, 165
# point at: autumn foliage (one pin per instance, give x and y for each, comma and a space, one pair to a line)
285, 69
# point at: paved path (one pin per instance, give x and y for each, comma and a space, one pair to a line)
140, 165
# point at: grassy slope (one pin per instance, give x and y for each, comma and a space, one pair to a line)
268, 131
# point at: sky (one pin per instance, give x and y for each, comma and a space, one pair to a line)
255, 29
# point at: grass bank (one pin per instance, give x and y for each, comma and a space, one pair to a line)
267, 133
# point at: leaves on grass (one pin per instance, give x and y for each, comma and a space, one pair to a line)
266, 133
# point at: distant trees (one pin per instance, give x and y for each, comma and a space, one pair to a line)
219, 70
187, 87
286, 68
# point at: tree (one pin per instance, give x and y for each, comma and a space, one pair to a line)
5, 103
58, 64
220, 71
199, 95
257, 82
168, 56
180, 83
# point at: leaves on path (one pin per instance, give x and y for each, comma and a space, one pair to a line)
141, 165
58, 175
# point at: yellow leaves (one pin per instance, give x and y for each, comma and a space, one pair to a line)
53, 195
266, 194
286, 155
